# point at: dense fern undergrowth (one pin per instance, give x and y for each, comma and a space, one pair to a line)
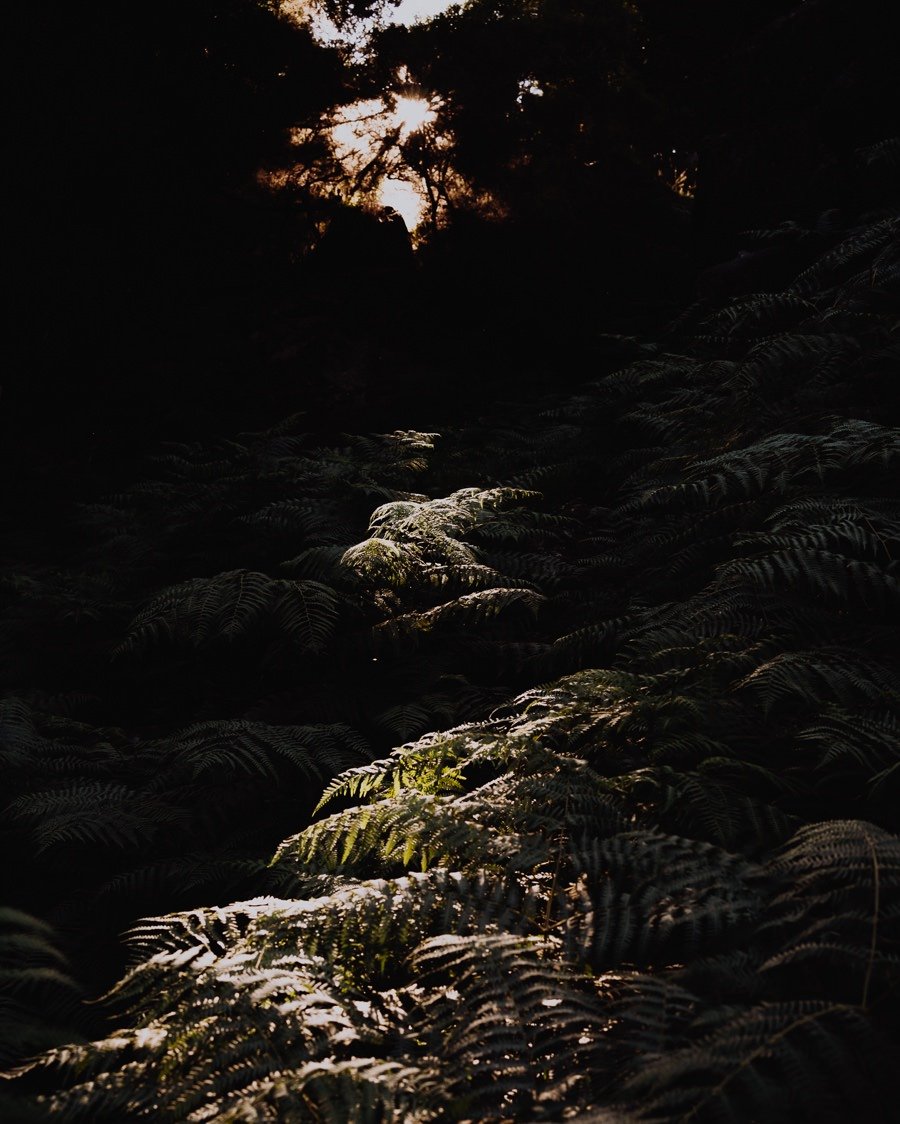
550, 765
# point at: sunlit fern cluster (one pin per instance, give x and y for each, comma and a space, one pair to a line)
625, 975
597, 900
352, 614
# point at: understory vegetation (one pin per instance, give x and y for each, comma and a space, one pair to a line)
549, 764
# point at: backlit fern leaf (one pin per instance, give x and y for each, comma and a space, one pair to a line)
471, 610
421, 829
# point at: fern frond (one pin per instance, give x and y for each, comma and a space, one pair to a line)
645, 898
471, 610
313, 520
708, 805
750, 317
864, 744
822, 573
205, 611
779, 1062
38, 997
95, 814
818, 676
854, 251
510, 1030
839, 905
255, 748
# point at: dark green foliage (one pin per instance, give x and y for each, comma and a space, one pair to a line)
38, 997
647, 899
39, 1000
217, 610
801, 1061
606, 771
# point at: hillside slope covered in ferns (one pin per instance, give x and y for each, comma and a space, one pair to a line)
549, 765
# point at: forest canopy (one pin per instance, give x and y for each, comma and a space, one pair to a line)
177, 162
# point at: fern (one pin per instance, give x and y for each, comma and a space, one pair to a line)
819, 676
859, 744
68, 816
779, 1062
848, 256
511, 1037
836, 909
564, 904
206, 611
471, 610
645, 899
256, 748
38, 997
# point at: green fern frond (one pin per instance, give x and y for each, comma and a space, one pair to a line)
839, 906
382, 561
822, 675
396, 833
95, 813
644, 898
206, 611
779, 1062
469, 611
256, 748
429, 766
506, 1023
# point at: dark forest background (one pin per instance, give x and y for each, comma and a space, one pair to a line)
582, 495
157, 287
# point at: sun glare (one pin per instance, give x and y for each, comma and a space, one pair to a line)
375, 128
411, 114
311, 14
405, 198
359, 132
